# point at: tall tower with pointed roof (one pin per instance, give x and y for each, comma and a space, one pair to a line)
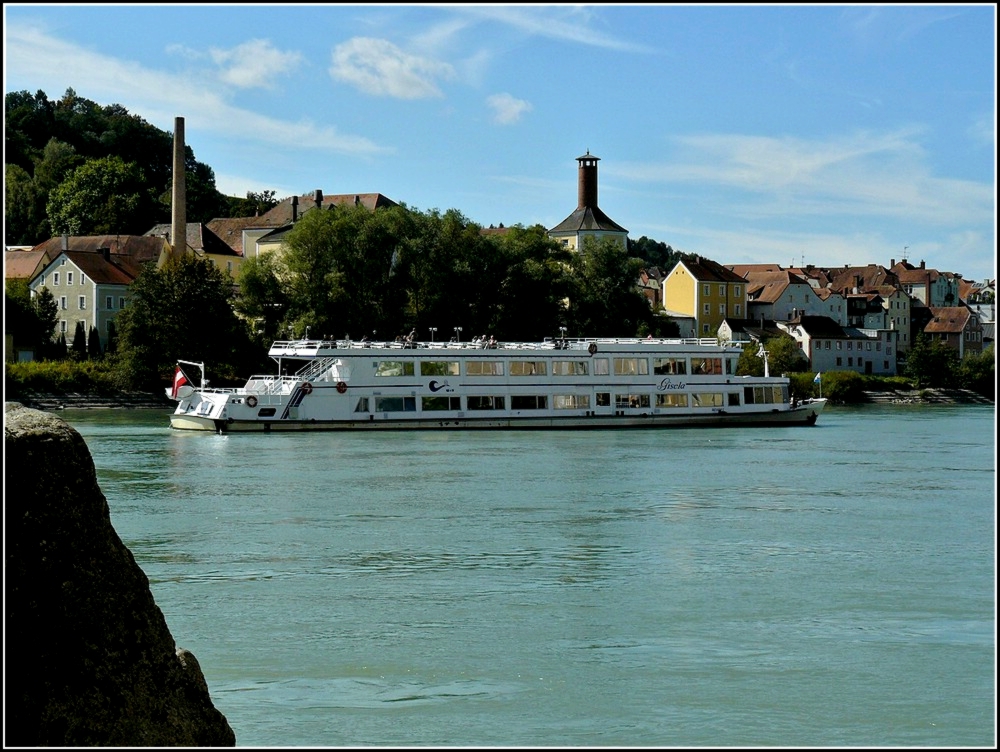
588, 219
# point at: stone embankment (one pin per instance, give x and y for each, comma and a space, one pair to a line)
929, 397
73, 401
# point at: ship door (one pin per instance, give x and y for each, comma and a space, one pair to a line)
603, 404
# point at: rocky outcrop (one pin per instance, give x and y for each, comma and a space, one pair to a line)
89, 658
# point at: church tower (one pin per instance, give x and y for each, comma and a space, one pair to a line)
587, 219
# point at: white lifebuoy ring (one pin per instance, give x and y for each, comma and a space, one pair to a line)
307, 388
593, 348
341, 387
252, 401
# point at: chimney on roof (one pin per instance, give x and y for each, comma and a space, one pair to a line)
586, 189
319, 198
921, 263
65, 242
178, 198
892, 263
295, 208
357, 200
106, 253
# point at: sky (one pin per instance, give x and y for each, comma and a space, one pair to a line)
788, 134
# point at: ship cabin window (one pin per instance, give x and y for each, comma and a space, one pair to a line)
706, 399
528, 402
569, 368
734, 399
600, 366
631, 400
266, 412
483, 368
527, 368
484, 402
602, 399
439, 368
395, 404
731, 364
394, 368
362, 406
440, 403
571, 401
765, 395
706, 365
631, 366
671, 400
673, 366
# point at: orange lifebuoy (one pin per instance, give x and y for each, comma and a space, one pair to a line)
307, 388
251, 401
341, 387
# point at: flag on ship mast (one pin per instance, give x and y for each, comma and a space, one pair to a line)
180, 379
816, 380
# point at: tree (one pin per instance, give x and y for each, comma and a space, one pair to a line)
79, 349
30, 320
606, 301
783, 356
184, 311
977, 371
654, 253
103, 197
931, 363
262, 300
94, 344
112, 348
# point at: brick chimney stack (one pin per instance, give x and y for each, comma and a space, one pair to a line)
587, 181
178, 199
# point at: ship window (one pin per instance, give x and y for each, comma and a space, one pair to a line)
440, 403
600, 366
663, 366
569, 368
484, 402
706, 365
734, 399
439, 368
265, 412
779, 394
631, 366
527, 368
394, 368
631, 400
395, 404
603, 399
362, 406
671, 400
571, 401
528, 402
484, 368
706, 399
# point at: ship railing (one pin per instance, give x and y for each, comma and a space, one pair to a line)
271, 384
305, 348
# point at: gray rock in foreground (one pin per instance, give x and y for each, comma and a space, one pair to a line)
89, 660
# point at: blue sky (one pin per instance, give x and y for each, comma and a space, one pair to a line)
824, 135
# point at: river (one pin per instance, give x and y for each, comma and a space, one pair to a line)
824, 586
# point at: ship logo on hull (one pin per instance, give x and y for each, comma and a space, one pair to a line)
437, 386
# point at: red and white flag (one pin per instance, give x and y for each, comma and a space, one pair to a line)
180, 379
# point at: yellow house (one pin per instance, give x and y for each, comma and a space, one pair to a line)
706, 292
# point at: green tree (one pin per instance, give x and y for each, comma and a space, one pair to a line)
103, 197
30, 320
94, 344
79, 349
183, 310
112, 348
29, 122
783, 356
262, 300
606, 301
931, 363
654, 253
977, 371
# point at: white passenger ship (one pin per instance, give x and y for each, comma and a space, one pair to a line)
566, 383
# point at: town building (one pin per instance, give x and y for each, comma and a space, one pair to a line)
587, 220
705, 292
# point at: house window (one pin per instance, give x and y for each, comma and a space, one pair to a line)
722, 309
83, 303
850, 361
707, 290
840, 361
708, 308
229, 267
62, 302
121, 302
69, 278
109, 303
840, 345
55, 279
704, 328
827, 345
62, 325
736, 291
722, 291
83, 278
737, 310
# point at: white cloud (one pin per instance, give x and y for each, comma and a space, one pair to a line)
380, 68
254, 64
162, 96
507, 109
